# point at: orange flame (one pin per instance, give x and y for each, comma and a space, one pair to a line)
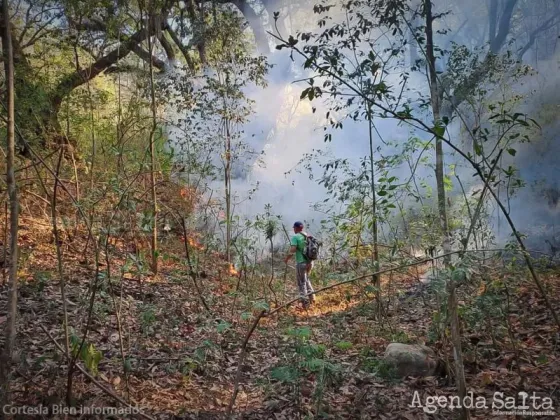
232, 271
195, 244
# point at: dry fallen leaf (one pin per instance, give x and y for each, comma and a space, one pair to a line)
487, 378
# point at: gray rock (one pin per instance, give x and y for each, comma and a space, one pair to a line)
411, 360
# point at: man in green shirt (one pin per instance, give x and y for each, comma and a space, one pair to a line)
303, 266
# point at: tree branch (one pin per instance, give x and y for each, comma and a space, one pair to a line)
272, 6
255, 23
166, 46
146, 56
78, 78
92, 24
547, 24
503, 30
184, 50
125, 68
40, 32
481, 71
197, 24
492, 20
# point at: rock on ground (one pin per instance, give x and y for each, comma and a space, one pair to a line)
411, 360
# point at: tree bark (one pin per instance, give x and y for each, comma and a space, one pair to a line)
11, 326
492, 20
198, 25
261, 38
184, 50
375, 252
227, 186
452, 304
503, 27
153, 156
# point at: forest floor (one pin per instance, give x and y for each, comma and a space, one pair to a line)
181, 360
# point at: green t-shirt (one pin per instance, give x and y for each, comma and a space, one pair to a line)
298, 240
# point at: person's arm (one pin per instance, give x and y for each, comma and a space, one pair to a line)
292, 250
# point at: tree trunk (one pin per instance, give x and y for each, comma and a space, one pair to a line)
375, 254
153, 156
227, 178
436, 98
8, 351
198, 30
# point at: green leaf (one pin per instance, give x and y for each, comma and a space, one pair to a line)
287, 374
91, 358
223, 326
542, 359
344, 345
371, 289
478, 149
127, 365
535, 122
439, 131
262, 305
512, 152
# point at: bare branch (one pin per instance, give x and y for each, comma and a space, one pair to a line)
38, 35
92, 24
547, 24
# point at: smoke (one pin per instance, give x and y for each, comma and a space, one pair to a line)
284, 129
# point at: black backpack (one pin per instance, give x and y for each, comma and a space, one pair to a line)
312, 245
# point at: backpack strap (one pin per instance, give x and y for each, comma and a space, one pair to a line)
305, 236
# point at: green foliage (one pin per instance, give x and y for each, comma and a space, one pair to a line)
147, 318
285, 374
344, 345
223, 326
41, 278
370, 363
306, 358
87, 353
379, 367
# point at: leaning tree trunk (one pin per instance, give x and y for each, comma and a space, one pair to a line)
451, 286
8, 351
